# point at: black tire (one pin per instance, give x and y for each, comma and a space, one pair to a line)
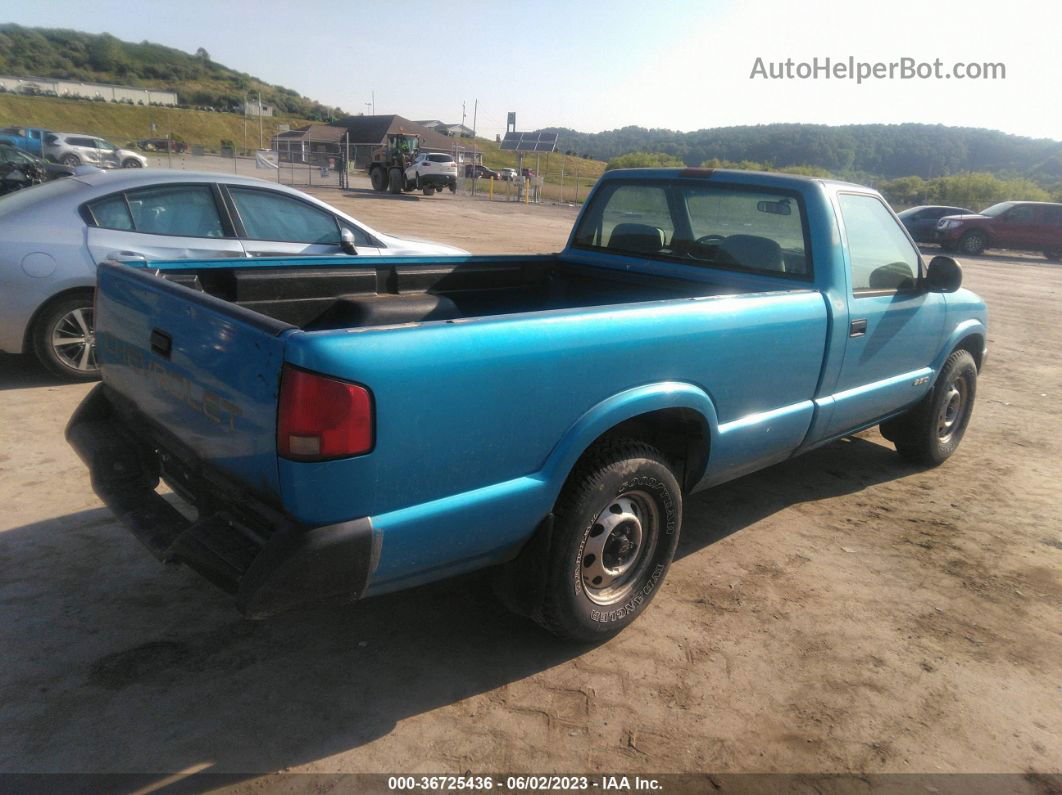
930, 432
379, 181
64, 319
1053, 256
633, 482
131, 162
453, 187
71, 160
429, 190
973, 243
395, 180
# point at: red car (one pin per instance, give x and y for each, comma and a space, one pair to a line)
1021, 226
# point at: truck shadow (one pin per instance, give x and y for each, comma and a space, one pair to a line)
369, 193
114, 663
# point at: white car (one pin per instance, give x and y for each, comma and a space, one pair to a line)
76, 149
432, 171
52, 236
508, 174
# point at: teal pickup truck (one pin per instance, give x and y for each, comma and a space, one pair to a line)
342, 427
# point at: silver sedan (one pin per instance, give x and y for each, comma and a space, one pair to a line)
52, 237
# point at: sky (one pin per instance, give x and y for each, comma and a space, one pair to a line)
595, 66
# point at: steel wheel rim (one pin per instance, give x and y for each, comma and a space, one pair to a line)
973, 245
952, 409
618, 547
74, 340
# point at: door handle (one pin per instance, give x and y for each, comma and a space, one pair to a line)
857, 328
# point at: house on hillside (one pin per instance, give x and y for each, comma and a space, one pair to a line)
360, 135
453, 130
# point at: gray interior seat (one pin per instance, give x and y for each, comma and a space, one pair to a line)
637, 237
751, 251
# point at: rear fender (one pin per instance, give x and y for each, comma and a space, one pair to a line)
617, 409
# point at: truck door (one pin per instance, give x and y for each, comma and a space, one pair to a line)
895, 327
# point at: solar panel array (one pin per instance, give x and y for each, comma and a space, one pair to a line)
530, 141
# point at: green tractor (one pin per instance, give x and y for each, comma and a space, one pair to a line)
387, 169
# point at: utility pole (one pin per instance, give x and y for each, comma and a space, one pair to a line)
374, 102
475, 112
259, 119
245, 121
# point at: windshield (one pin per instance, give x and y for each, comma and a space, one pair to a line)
711, 225
997, 209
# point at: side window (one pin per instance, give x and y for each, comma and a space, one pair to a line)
180, 210
75, 141
112, 213
1053, 215
882, 256
273, 216
1022, 214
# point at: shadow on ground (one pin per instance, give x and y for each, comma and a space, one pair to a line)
116, 664
20, 372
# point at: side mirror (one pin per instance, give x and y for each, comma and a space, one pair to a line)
346, 241
944, 275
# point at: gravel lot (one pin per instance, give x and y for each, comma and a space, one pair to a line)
843, 612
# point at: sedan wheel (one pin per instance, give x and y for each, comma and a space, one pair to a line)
65, 339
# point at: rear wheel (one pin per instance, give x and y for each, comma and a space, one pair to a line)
71, 160
379, 181
64, 338
930, 432
973, 243
615, 533
394, 181
429, 190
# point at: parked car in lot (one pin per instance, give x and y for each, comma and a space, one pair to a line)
29, 139
432, 171
19, 169
480, 171
73, 149
1022, 226
356, 430
508, 174
52, 236
162, 145
921, 221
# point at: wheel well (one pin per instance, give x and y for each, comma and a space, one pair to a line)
975, 344
27, 337
680, 434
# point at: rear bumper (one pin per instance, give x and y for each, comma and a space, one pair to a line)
438, 180
267, 560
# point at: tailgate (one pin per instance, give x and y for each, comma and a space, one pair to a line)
204, 370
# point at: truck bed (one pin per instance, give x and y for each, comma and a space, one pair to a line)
375, 294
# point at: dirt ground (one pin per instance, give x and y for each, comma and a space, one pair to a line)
843, 612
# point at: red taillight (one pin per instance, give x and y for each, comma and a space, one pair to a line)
321, 418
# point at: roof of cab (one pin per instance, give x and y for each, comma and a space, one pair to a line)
728, 175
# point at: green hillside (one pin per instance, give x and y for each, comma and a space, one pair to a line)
123, 124
858, 151
198, 80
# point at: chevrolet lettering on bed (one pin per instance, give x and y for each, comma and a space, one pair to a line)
343, 429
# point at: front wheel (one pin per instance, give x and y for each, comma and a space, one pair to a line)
616, 529
378, 179
973, 243
395, 181
930, 432
71, 160
64, 339
1053, 256
131, 162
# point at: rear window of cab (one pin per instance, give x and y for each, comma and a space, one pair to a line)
723, 226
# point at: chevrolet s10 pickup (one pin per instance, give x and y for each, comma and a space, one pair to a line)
338, 428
